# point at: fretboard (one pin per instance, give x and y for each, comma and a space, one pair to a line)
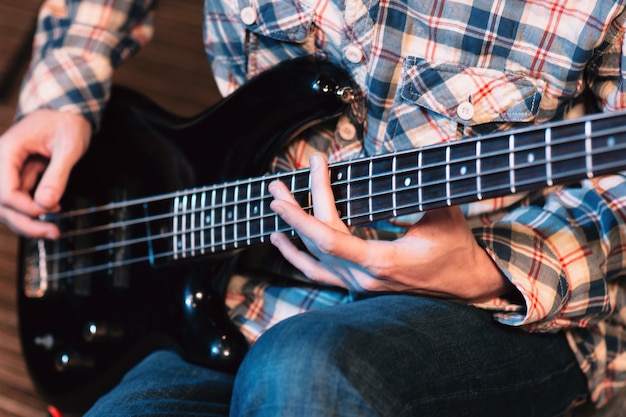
236, 215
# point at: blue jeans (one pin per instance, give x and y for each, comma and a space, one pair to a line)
390, 355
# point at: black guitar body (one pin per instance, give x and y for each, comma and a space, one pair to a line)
80, 334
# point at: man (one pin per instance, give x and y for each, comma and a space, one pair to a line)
414, 334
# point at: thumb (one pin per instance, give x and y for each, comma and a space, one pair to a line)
64, 155
52, 184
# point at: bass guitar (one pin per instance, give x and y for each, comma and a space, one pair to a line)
116, 285
123, 278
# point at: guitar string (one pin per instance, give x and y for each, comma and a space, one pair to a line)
108, 265
228, 244
252, 219
251, 201
503, 136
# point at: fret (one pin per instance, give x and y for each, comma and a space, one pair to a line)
275, 217
202, 221
248, 213
448, 202
192, 226
348, 213
182, 241
175, 227
394, 187
184, 226
479, 193
512, 163
548, 142
370, 204
420, 188
224, 216
213, 213
309, 197
588, 149
262, 211
294, 191
235, 216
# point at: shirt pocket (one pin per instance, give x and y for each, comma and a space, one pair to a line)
281, 20
470, 95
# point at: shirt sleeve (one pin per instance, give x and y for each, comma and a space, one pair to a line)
76, 47
564, 248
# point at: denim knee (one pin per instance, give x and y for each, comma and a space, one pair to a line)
303, 366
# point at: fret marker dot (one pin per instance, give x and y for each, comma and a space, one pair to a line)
531, 157
255, 209
207, 219
230, 215
610, 141
407, 181
463, 170
339, 175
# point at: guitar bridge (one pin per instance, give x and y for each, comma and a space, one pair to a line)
90, 255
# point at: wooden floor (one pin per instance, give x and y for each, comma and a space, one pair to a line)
174, 72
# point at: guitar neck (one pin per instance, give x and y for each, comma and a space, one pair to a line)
236, 215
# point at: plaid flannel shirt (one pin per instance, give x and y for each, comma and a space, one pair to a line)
515, 62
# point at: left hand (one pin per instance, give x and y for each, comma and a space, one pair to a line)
438, 256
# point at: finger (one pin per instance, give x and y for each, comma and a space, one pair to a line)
323, 199
279, 191
27, 226
31, 172
12, 190
320, 237
56, 175
312, 268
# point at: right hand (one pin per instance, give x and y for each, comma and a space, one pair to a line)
45, 144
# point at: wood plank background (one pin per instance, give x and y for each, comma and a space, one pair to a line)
174, 72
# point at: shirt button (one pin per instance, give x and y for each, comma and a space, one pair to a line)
353, 54
248, 15
465, 110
